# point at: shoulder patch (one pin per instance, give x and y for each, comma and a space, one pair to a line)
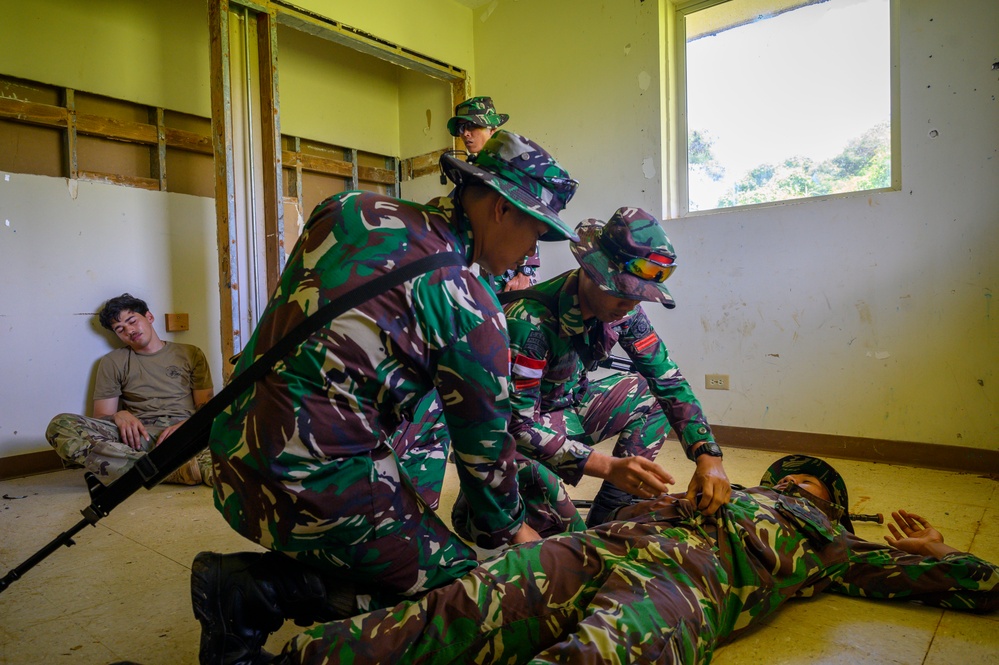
536, 345
529, 368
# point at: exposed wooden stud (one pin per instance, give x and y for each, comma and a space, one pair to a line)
299, 194
72, 165
157, 155
420, 165
270, 130
46, 115
152, 184
353, 168
225, 206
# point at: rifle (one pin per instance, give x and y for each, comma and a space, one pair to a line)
192, 437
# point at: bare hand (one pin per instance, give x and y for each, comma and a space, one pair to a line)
639, 476
168, 431
131, 430
526, 534
711, 482
914, 534
518, 282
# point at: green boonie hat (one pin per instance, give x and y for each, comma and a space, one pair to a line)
813, 466
478, 111
604, 251
524, 173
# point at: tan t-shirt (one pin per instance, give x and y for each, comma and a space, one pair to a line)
155, 385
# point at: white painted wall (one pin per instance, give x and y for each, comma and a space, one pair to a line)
66, 247
867, 316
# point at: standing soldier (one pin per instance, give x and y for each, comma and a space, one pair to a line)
303, 461
559, 331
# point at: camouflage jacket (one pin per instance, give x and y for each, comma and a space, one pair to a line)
667, 587
551, 355
346, 390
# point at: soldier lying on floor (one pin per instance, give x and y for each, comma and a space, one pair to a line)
662, 583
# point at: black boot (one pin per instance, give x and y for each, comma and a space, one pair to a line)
608, 499
240, 599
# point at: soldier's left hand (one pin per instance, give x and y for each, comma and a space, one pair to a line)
711, 482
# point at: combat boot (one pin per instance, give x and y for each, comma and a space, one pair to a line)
608, 500
240, 599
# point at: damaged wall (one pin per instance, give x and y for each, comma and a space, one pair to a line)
66, 246
866, 315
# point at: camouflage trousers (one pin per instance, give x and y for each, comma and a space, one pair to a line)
617, 405
624, 592
96, 445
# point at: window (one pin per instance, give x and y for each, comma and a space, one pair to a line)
783, 99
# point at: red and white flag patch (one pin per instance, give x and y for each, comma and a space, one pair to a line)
528, 368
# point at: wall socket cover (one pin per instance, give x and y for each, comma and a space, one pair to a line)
716, 381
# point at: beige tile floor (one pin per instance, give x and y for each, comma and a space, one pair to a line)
122, 591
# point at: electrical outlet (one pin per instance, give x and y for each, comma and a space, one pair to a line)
716, 381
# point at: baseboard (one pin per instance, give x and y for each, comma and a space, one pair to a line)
907, 453
28, 464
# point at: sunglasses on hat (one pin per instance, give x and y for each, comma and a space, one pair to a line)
654, 267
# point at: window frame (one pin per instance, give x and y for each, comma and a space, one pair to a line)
677, 193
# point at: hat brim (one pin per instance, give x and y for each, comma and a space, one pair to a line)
459, 172
813, 466
607, 275
494, 120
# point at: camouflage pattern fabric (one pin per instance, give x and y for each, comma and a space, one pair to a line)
556, 411
668, 587
523, 173
303, 459
479, 111
630, 233
96, 445
422, 446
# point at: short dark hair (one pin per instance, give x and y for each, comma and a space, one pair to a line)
112, 309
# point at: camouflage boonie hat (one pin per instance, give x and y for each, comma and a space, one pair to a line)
524, 173
604, 251
813, 466
478, 111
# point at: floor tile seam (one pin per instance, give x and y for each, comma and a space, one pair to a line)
933, 637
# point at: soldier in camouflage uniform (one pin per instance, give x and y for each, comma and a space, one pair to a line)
303, 460
669, 584
559, 331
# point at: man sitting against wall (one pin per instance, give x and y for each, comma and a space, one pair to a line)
144, 392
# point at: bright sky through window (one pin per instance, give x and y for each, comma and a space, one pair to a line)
809, 84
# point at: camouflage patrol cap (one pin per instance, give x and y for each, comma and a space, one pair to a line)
524, 173
813, 466
606, 251
478, 111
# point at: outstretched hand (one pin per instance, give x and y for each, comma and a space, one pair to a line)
915, 535
639, 476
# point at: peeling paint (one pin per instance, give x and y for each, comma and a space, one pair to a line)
864, 310
487, 12
73, 186
879, 355
649, 168
644, 81
627, 49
